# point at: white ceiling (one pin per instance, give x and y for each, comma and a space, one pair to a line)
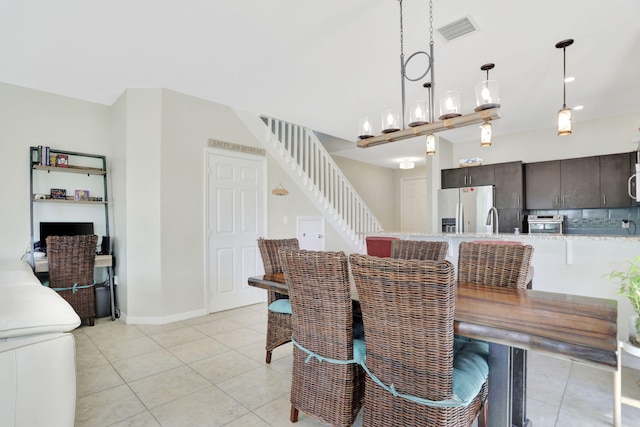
324, 64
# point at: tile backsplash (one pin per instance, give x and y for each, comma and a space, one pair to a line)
597, 221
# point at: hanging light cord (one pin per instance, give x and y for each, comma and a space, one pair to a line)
401, 34
564, 77
403, 63
431, 22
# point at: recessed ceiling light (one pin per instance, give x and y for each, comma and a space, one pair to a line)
406, 164
569, 79
578, 107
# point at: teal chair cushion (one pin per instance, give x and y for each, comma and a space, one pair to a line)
470, 368
359, 351
281, 306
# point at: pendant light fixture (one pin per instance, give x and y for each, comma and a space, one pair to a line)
420, 116
418, 113
431, 138
431, 145
390, 121
485, 134
487, 95
365, 128
450, 105
564, 115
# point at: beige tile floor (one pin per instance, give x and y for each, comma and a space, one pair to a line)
210, 371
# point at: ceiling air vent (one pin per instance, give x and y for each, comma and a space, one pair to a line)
456, 29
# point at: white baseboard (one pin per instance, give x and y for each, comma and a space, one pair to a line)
155, 320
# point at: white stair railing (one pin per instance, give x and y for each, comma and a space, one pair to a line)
298, 149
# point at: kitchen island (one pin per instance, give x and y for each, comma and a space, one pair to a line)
564, 263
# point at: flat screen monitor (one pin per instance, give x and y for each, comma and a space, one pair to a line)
62, 229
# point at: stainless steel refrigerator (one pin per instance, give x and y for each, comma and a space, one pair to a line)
465, 210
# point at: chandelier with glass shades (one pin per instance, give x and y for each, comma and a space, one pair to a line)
420, 115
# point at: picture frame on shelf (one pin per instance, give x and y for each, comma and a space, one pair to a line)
62, 160
58, 193
81, 195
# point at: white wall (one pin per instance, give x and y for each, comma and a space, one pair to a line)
31, 118
117, 173
142, 150
372, 183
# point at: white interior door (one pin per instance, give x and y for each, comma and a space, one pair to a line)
413, 204
311, 233
235, 220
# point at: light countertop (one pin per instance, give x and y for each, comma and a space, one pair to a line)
511, 236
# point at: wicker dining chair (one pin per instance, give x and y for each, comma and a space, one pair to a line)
71, 260
320, 294
419, 250
278, 314
495, 264
411, 346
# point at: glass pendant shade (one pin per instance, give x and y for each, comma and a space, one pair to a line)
418, 113
485, 134
450, 105
431, 145
487, 95
564, 121
365, 128
390, 121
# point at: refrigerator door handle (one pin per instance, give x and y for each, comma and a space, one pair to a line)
460, 218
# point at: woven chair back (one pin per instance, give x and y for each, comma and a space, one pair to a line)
320, 295
408, 311
322, 322
419, 249
494, 264
269, 252
71, 260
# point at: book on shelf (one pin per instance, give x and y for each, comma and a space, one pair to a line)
42, 156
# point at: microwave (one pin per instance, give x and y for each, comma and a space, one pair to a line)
549, 224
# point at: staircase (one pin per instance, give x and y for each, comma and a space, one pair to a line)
300, 153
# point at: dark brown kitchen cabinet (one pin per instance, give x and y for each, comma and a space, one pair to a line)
580, 183
467, 177
509, 184
509, 220
615, 170
542, 185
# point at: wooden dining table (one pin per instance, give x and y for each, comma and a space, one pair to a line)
578, 328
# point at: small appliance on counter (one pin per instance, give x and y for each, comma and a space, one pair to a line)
634, 189
549, 224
